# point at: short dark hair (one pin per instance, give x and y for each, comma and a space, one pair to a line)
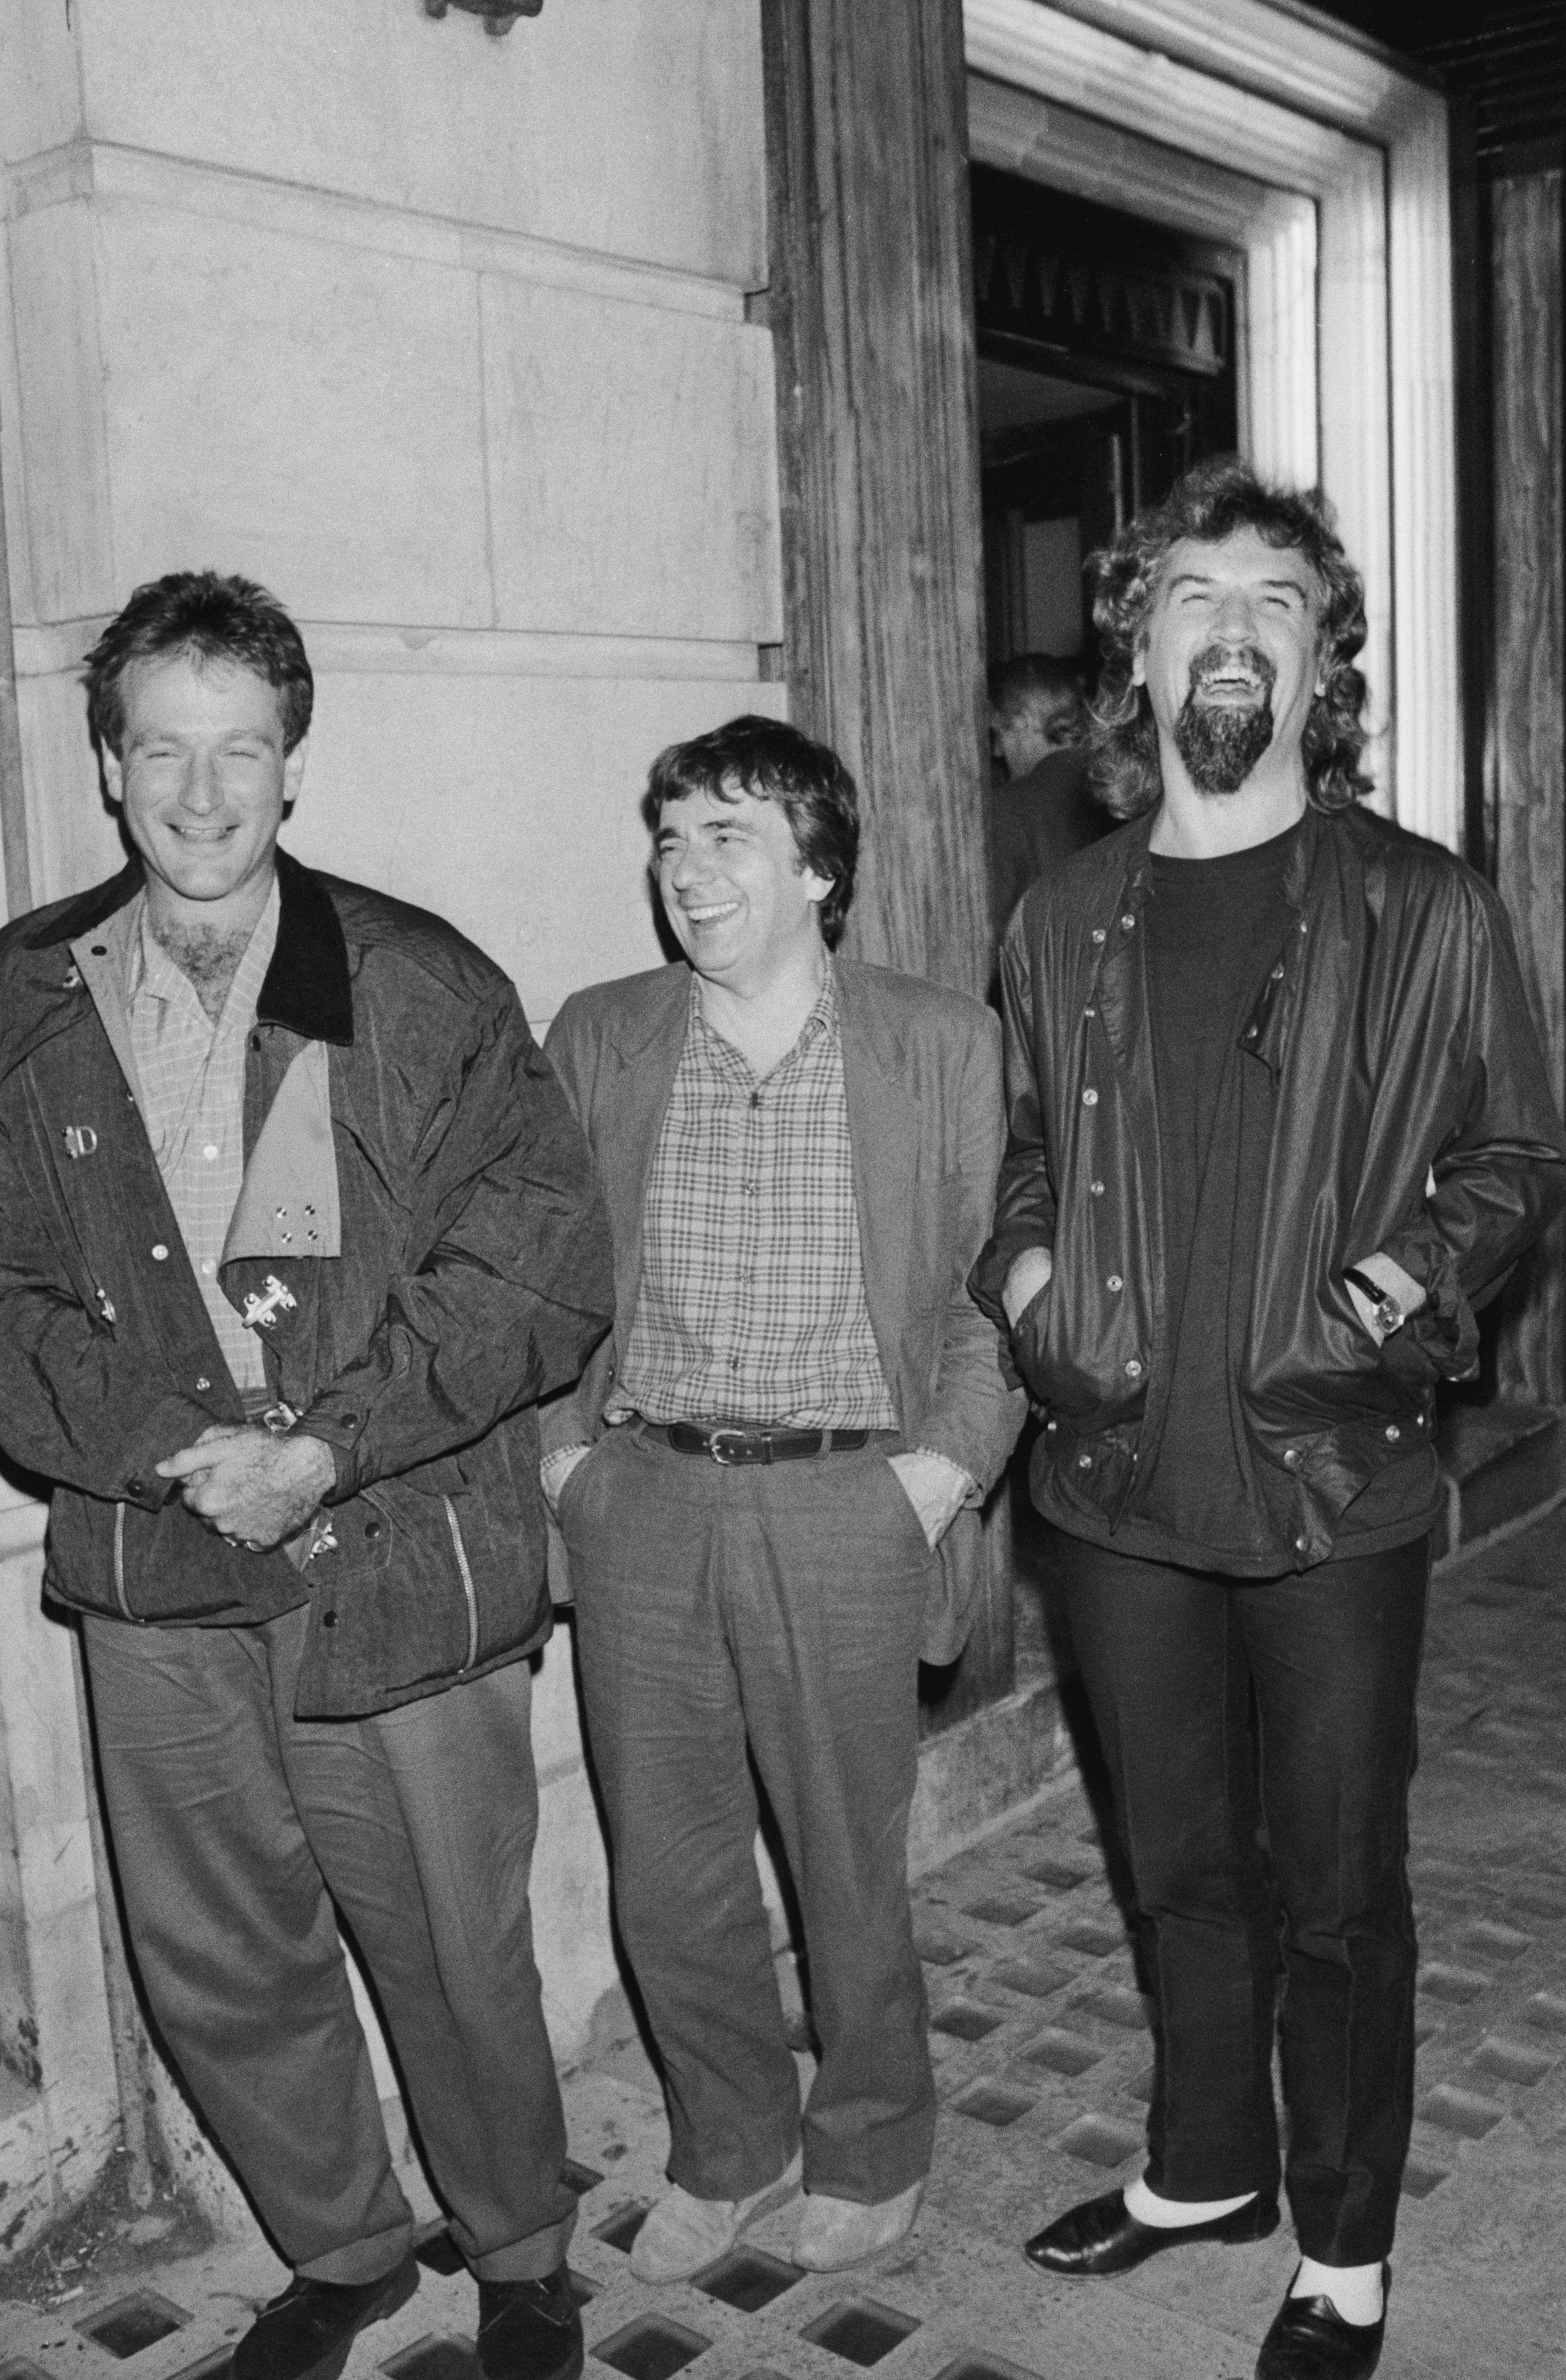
1210, 503
218, 619
1034, 682
775, 762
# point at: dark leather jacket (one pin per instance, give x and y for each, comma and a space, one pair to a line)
1413, 1116
474, 1275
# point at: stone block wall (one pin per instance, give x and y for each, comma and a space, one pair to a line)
444, 339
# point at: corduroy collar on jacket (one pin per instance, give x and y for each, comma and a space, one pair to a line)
306, 986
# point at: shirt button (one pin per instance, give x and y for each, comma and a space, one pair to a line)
1091, 1012
1134, 1370
1277, 972
1090, 1099
1085, 1463
1291, 1456
159, 1254
372, 1528
134, 1488
1301, 1545
1128, 921
1097, 933
209, 1152
209, 1266
202, 1381
1114, 1281
1096, 1188
329, 1620
1392, 1430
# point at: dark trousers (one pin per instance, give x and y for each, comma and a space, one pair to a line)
778, 1608
236, 1827
1174, 1662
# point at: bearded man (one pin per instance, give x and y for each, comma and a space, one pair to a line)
1279, 1124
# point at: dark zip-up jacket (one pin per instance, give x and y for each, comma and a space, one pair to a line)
474, 1275
1413, 1116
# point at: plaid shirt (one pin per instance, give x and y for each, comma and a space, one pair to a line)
752, 1305
191, 1077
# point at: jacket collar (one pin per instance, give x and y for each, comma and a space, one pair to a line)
307, 986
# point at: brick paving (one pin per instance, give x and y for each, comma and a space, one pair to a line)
1043, 2062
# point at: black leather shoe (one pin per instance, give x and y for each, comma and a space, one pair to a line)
1310, 2340
306, 2333
529, 2330
1102, 2236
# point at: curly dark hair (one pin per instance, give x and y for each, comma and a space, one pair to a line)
220, 619
1210, 503
777, 763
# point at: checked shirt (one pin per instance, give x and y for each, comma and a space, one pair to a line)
752, 1305
191, 1077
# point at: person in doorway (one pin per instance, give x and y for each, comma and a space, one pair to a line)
1041, 806
1279, 1125
767, 1482
295, 1230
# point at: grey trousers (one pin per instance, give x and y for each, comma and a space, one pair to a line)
236, 1828
776, 1610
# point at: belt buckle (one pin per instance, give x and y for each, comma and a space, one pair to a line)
737, 1438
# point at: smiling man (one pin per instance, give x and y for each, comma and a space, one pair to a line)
295, 1230
768, 1483
1279, 1125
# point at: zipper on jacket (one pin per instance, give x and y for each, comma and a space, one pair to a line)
467, 1586
121, 1596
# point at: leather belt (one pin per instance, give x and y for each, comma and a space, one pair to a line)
739, 1442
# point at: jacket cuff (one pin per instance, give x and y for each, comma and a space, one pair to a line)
1441, 1342
173, 1423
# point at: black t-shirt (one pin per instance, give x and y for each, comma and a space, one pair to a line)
1215, 928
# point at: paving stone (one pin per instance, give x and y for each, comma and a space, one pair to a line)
1116, 2004
1458, 1985
968, 2019
1460, 2111
1002, 1909
1099, 2142
1487, 1940
1039, 1978
1509, 2062
1063, 2053
992, 2102
1094, 1939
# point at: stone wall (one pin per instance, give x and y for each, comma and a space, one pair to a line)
443, 338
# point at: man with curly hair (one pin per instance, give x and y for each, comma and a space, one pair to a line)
1279, 1125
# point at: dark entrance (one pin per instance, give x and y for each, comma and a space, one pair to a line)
1106, 367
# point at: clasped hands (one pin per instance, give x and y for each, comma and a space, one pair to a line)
249, 1486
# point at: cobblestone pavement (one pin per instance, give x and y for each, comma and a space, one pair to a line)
1043, 2060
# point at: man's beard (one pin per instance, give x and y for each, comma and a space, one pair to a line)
1221, 745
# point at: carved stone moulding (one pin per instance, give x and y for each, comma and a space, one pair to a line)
499, 15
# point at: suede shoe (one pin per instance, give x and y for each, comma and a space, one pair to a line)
1102, 2236
836, 2233
306, 2333
529, 2330
1310, 2340
682, 2233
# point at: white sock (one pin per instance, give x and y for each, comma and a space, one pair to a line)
1355, 2289
1173, 2214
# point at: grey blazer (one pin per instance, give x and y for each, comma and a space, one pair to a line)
922, 1074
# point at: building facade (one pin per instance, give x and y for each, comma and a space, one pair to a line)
577, 384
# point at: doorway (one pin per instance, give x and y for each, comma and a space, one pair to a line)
1106, 368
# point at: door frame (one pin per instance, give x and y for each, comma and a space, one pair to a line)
1327, 162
